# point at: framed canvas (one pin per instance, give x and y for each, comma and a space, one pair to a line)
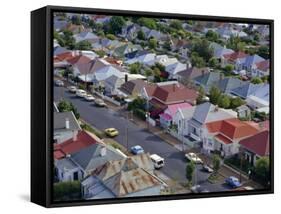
131, 106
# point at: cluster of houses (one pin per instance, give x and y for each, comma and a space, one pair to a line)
104, 171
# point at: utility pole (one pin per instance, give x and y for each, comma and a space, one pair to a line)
126, 133
182, 135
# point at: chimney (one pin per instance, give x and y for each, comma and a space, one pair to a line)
174, 87
221, 76
126, 77
74, 137
103, 151
66, 123
216, 109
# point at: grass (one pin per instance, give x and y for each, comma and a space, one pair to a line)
214, 178
115, 145
98, 133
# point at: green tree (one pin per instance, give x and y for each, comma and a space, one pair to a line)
83, 45
216, 163
135, 68
213, 62
152, 43
197, 61
201, 95
115, 24
138, 103
214, 95
212, 36
67, 190
202, 48
229, 68
262, 170
224, 101
176, 24
236, 102
235, 43
189, 171
64, 106
147, 22
110, 36
263, 51
256, 80
76, 20
141, 35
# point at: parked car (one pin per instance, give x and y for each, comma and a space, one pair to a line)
158, 161
198, 189
100, 103
89, 97
81, 93
233, 182
193, 157
72, 89
136, 150
111, 132
59, 83
207, 168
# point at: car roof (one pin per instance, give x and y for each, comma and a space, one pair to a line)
155, 157
137, 147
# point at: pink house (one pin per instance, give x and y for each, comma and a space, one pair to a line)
166, 117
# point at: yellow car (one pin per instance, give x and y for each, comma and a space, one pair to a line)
111, 132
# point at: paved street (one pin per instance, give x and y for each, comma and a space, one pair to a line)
102, 118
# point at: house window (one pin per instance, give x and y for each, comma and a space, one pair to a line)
75, 176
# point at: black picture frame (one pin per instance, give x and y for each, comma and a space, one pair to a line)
42, 107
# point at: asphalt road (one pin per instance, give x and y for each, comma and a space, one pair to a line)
103, 118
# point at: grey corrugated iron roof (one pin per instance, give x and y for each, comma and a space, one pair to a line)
246, 90
227, 84
209, 79
60, 118
90, 157
65, 164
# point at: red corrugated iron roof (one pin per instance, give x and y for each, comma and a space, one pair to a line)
258, 143
83, 140
236, 55
222, 138
80, 59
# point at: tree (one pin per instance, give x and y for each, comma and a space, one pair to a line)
235, 43
229, 68
189, 171
214, 62
69, 189
115, 24
263, 51
201, 95
110, 36
214, 95
176, 24
197, 61
76, 20
135, 68
141, 35
212, 36
152, 43
262, 170
64, 106
223, 101
202, 48
138, 103
147, 22
216, 163
236, 102
256, 80
83, 45
167, 45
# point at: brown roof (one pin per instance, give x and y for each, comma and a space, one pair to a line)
263, 65
79, 59
133, 86
258, 143
235, 55
174, 93
193, 72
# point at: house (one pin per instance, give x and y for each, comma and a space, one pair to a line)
256, 146
133, 87
245, 90
221, 53
166, 118
105, 72
130, 177
236, 58
203, 114
208, 80
78, 59
60, 25
190, 73
251, 61
112, 84
224, 136
173, 69
125, 49
243, 111
130, 31
76, 158
146, 58
226, 85
60, 50
86, 36
171, 92
65, 124
259, 99
261, 69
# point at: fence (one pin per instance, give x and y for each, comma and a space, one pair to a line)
109, 99
192, 144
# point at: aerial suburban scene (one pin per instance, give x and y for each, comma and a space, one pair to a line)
158, 106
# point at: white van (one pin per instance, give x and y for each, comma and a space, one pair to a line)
81, 93
157, 161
